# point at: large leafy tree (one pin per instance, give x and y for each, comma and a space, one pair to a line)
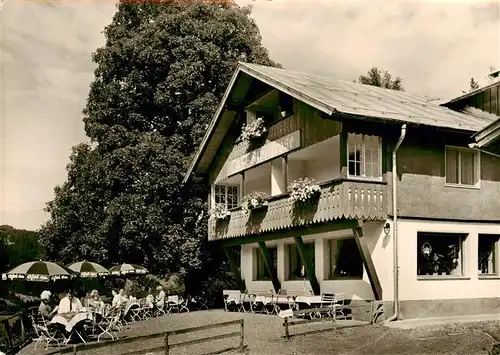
159, 79
381, 78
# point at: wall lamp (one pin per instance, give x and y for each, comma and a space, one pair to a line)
387, 228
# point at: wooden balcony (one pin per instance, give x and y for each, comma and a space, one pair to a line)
339, 199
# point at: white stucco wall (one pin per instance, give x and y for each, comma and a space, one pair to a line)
381, 252
447, 287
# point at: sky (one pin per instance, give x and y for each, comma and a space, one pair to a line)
46, 68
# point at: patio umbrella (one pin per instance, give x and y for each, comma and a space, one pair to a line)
88, 269
128, 269
39, 271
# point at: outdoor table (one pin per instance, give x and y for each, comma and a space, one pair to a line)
268, 299
236, 298
70, 320
309, 300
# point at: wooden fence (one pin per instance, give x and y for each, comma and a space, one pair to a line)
375, 310
288, 323
166, 337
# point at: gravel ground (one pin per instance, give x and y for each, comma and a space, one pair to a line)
264, 335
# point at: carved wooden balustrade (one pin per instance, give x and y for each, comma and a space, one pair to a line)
339, 199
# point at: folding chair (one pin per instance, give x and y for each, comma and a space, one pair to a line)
43, 334
141, 312
184, 304
272, 306
294, 306
327, 301
230, 298
110, 324
159, 310
201, 302
339, 303
135, 311
253, 305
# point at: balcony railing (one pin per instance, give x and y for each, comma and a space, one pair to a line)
339, 199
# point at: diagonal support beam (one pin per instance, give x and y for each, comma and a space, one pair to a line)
367, 261
269, 266
311, 276
233, 263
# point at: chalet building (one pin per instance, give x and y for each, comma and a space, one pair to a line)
396, 206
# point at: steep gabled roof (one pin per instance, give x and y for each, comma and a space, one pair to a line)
336, 96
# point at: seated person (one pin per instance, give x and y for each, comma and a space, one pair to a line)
150, 299
160, 299
69, 304
85, 300
45, 309
119, 298
95, 300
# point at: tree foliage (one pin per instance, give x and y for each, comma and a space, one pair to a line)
381, 78
159, 78
473, 85
17, 246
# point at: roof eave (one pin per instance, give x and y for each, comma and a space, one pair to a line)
487, 135
213, 124
469, 94
297, 94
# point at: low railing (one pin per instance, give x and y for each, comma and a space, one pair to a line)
166, 336
339, 199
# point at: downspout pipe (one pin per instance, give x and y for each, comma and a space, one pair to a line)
395, 316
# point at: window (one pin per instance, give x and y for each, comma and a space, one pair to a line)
345, 259
487, 254
439, 253
364, 156
297, 269
262, 272
462, 166
227, 195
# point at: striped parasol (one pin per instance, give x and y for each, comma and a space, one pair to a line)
128, 269
43, 271
88, 269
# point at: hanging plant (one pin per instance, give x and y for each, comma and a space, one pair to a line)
426, 249
256, 129
303, 189
253, 200
219, 211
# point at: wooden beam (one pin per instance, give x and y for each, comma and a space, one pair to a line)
344, 167
284, 170
308, 264
290, 232
242, 194
231, 257
269, 266
368, 262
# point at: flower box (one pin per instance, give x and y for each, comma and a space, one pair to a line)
304, 189
253, 201
252, 131
219, 211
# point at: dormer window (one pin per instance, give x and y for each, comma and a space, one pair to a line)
364, 156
